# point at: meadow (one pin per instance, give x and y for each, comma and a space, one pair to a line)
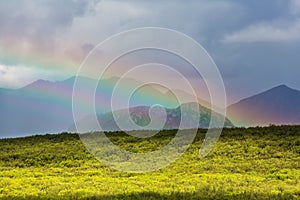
246, 163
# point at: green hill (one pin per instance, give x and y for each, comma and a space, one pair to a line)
253, 163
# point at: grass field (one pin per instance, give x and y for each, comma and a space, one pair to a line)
253, 163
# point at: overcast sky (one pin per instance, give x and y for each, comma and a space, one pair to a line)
255, 44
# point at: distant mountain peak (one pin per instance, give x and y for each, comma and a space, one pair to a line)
279, 105
279, 90
282, 86
38, 83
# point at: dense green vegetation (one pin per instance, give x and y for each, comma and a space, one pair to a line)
253, 163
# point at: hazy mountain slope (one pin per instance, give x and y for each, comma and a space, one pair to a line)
46, 107
279, 105
140, 116
37, 108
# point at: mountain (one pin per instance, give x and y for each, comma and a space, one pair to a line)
46, 107
140, 115
39, 107
279, 105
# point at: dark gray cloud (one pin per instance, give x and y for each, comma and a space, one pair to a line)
38, 18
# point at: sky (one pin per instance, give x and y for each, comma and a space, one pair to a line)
255, 44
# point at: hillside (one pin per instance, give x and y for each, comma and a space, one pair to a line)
279, 105
253, 163
140, 116
49, 104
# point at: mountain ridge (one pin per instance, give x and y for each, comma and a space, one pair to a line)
141, 117
46, 106
278, 105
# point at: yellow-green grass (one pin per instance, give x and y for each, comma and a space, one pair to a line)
253, 163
